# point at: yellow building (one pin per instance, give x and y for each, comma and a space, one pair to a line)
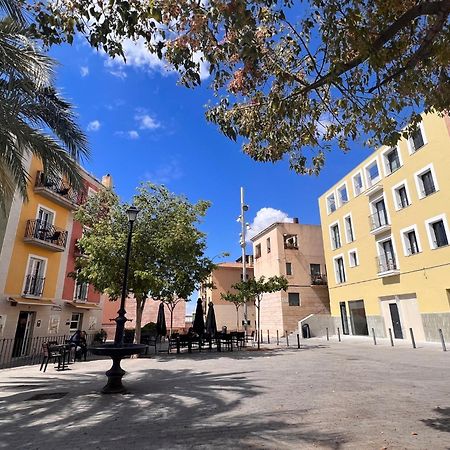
386, 235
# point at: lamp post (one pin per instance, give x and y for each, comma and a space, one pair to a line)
132, 213
244, 208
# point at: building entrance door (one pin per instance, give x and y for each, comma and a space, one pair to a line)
344, 319
396, 324
358, 318
23, 336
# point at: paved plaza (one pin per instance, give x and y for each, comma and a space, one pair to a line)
327, 395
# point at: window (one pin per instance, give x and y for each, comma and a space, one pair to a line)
268, 245
44, 220
437, 230
426, 181
294, 298
357, 184
402, 197
258, 251
353, 258
372, 173
342, 194
349, 229
288, 268
290, 241
35, 277
412, 247
76, 321
379, 218
314, 269
386, 258
331, 203
392, 160
417, 139
81, 291
335, 237
340, 270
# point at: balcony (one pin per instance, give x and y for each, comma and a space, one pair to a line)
56, 190
379, 222
319, 279
387, 266
34, 286
45, 235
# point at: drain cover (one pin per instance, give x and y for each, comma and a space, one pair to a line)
48, 396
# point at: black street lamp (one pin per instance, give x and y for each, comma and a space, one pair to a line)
132, 213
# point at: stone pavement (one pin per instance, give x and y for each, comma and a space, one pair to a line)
327, 395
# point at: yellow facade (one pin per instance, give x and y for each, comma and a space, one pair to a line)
393, 266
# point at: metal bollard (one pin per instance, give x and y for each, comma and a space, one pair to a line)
412, 338
339, 334
441, 335
298, 340
390, 337
374, 338
328, 336
262, 339
287, 339
268, 337
278, 338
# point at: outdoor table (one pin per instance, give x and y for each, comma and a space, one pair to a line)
64, 349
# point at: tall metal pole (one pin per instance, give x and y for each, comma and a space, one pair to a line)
244, 208
121, 319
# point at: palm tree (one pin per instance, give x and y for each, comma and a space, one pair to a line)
34, 118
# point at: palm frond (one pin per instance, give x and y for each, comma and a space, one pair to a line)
13, 9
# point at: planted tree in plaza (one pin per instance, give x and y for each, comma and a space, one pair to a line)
291, 78
238, 299
254, 289
167, 261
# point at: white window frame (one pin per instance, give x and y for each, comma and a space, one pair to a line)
91, 192
396, 197
75, 290
409, 142
80, 321
428, 226
379, 243
335, 258
373, 209
39, 207
347, 240
404, 239
369, 182
331, 234
419, 185
360, 173
44, 272
328, 204
384, 154
355, 251
340, 202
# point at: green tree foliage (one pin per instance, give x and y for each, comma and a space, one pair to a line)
237, 299
291, 78
30, 104
253, 290
167, 260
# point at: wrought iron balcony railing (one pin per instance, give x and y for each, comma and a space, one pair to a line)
378, 220
60, 188
386, 263
319, 279
34, 285
38, 230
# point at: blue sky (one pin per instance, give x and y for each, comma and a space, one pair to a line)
143, 126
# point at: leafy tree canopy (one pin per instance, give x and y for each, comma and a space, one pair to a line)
291, 78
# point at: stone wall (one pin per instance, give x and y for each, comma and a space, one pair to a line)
432, 323
318, 324
377, 323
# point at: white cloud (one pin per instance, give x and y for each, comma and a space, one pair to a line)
147, 122
264, 218
165, 173
84, 71
119, 73
94, 125
133, 134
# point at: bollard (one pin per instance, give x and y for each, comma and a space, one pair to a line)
390, 337
278, 339
328, 336
412, 338
262, 339
287, 339
374, 338
339, 335
298, 340
444, 348
268, 337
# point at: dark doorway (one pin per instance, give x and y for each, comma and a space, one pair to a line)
396, 324
358, 318
22, 338
344, 319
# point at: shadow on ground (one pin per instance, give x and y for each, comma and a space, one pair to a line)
442, 422
168, 409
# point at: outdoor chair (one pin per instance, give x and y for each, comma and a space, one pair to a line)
50, 353
250, 338
150, 340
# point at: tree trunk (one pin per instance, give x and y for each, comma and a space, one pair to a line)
237, 316
259, 324
140, 303
171, 308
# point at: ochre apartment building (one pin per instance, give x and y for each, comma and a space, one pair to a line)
386, 235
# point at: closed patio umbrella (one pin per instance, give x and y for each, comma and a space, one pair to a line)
211, 326
199, 323
161, 328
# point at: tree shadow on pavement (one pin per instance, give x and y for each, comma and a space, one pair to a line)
440, 423
167, 409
